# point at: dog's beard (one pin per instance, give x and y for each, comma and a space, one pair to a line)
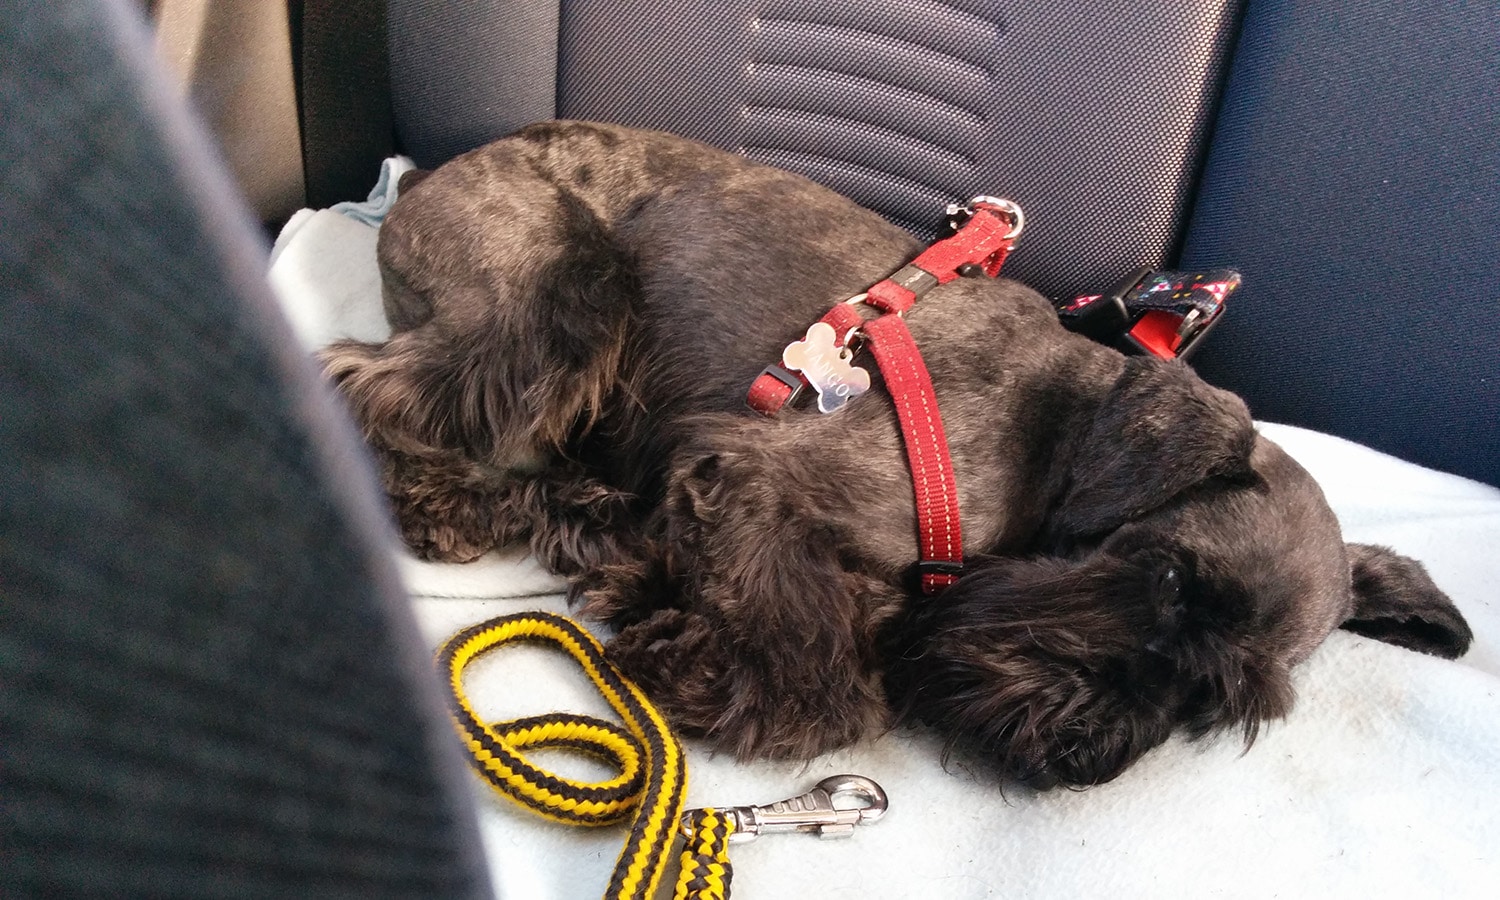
1064, 672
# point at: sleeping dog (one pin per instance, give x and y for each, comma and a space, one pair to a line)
577, 311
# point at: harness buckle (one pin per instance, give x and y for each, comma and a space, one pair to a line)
790, 379
1165, 314
831, 810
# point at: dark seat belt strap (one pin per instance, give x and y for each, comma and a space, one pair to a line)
343, 95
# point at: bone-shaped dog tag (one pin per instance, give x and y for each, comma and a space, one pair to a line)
826, 366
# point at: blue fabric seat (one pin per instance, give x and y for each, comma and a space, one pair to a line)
1354, 177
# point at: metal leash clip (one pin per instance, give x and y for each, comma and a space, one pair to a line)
831, 809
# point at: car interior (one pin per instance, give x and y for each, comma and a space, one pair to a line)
216, 672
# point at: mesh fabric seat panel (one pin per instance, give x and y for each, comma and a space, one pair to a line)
1092, 117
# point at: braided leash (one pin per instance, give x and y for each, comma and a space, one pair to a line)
706, 871
652, 779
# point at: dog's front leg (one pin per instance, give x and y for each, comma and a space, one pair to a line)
462, 483
771, 651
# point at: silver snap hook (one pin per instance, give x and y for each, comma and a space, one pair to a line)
830, 810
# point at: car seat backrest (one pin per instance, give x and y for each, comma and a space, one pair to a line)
1355, 181
1091, 116
1354, 173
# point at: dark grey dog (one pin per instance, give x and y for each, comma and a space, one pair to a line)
578, 311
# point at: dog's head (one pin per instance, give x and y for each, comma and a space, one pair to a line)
1187, 567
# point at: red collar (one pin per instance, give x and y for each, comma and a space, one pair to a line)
984, 236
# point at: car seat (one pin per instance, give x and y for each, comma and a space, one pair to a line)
164, 446
1345, 157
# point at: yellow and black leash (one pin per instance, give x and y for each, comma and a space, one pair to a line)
652, 779
705, 871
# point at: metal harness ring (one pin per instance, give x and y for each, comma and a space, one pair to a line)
1009, 208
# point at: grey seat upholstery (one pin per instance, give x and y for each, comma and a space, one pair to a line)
210, 680
902, 106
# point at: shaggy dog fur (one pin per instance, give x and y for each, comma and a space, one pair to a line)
578, 311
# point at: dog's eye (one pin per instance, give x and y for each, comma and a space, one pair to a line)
1169, 608
1169, 586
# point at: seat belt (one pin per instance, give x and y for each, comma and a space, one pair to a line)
343, 95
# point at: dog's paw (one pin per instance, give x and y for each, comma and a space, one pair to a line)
624, 593
450, 535
439, 542
605, 592
574, 548
578, 523
671, 656
767, 726
449, 510
710, 692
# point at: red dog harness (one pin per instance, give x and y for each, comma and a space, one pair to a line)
986, 230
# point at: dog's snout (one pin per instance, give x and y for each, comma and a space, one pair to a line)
1032, 769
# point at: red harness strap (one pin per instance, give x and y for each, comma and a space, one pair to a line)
980, 245
775, 386
933, 481
983, 241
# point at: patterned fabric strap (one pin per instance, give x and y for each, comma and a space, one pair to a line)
1183, 292
1166, 314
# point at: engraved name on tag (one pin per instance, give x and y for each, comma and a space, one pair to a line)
827, 367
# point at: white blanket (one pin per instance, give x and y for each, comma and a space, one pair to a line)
1384, 781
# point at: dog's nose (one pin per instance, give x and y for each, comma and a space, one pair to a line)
1043, 780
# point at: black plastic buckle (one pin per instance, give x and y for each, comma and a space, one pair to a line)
789, 378
940, 567
1108, 319
1103, 318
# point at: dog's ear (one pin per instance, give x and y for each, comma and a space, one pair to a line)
1160, 431
1394, 600
1036, 665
